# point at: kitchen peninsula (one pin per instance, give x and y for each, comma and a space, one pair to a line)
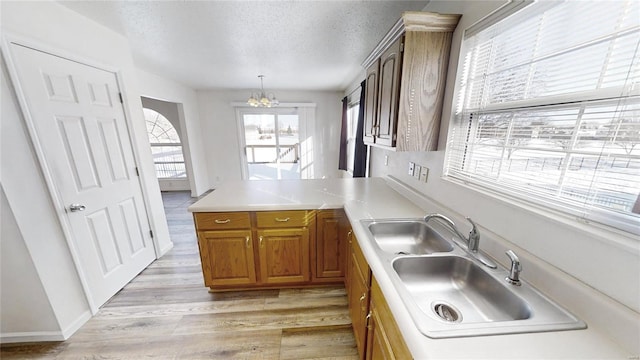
377, 198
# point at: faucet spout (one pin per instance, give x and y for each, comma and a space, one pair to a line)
472, 242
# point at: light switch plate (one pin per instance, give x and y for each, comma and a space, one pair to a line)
386, 160
411, 166
424, 174
416, 171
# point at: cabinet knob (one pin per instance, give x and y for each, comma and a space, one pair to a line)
247, 241
225, 221
282, 220
261, 241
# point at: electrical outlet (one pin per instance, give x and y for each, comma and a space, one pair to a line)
416, 171
411, 166
424, 174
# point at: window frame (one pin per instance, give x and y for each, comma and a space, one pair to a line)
598, 217
166, 144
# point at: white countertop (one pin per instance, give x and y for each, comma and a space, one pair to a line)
373, 198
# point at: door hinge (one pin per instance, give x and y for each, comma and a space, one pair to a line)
137, 172
151, 233
402, 46
120, 96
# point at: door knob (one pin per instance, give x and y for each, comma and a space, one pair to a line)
76, 207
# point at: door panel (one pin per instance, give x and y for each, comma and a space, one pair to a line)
82, 133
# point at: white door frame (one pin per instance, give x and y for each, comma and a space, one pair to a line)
59, 206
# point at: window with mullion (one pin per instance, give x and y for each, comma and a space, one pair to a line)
549, 110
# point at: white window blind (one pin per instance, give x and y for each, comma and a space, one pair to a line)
548, 109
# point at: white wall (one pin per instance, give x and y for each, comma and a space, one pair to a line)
54, 26
605, 260
221, 139
24, 308
157, 87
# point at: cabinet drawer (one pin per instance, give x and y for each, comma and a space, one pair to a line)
222, 220
284, 219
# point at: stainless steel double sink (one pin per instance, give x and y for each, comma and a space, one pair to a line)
449, 293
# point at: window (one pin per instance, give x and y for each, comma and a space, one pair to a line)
548, 110
271, 143
352, 125
166, 148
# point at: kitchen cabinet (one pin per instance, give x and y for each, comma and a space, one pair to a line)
226, 248
371, 102
384, 340
406, 76
240, 250
284, 255
330, 246
376, 333
359, 280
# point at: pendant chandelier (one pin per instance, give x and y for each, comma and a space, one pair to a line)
261, 99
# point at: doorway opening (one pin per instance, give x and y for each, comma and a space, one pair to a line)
166, 138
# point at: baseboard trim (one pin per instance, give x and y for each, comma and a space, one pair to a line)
31, 336
45, 336
77, 324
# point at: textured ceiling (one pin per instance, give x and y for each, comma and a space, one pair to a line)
306, 45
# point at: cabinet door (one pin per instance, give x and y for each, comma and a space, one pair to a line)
284, 255
227, 257
358, 296
371, 102
330, 245
388, 93
378, 346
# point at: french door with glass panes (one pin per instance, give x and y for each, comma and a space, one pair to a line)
271, 148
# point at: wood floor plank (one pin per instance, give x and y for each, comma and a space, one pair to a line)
118, 329
190, 308
264, 320
331, 342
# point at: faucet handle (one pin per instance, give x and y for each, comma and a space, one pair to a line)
516, 268
474, 236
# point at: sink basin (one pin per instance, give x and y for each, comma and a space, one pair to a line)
449, 295
448, 292
455, 289
404, 237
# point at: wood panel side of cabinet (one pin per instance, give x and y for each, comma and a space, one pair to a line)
330, 246
424, 77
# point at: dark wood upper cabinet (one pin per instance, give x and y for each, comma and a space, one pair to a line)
406, 77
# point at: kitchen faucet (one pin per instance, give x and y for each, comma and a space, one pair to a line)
472, 242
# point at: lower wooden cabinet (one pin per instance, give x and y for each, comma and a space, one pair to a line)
376, 332
244, 250
330, 245
284, 255
384, 340
359, 281
227, 257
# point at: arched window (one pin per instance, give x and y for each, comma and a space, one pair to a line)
165, 146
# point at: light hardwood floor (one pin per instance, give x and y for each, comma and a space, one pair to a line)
166, 312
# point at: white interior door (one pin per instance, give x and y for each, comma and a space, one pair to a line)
80, 127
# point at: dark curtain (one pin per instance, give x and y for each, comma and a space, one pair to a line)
342, 162
360, 161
